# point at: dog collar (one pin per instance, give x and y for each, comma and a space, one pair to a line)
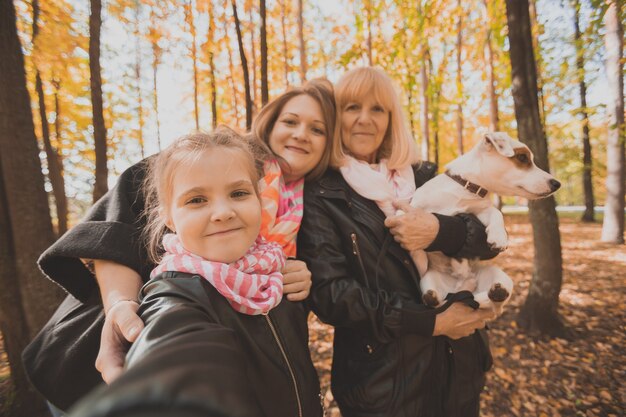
469, 186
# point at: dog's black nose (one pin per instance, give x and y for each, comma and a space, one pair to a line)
554, 185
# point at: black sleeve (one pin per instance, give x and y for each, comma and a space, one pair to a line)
111, 230
339, 298
193, 371
472, 245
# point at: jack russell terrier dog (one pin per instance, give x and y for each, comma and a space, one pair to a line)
498, 164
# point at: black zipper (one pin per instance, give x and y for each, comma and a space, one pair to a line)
357, 252
282, 350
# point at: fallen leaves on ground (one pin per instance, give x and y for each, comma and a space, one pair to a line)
543, 377
538, 376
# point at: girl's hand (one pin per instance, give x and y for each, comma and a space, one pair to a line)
460, 321
122, 325
413, 230
297, 280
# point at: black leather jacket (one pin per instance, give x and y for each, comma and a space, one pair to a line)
60, 360
263, 362
386, 361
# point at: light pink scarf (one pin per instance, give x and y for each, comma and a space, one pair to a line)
378, 183
252, 285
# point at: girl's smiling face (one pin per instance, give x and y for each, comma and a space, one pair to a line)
213, 207
299, 136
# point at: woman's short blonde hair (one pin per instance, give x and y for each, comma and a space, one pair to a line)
398, 146
320, 90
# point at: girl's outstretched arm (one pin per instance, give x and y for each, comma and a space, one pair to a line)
119, 287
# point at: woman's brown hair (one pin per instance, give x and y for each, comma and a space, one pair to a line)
320, 90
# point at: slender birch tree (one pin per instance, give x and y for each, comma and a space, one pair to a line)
613, 223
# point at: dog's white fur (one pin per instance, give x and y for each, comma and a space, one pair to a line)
495, 165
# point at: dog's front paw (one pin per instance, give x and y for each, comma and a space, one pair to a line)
430, 298
497, 293
497, 238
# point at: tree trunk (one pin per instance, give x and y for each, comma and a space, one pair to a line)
156, 61
61, 208
409, 99
459, 80
211, 38
368, 5
534, 26
253, 66
55, 162
138, 77
264, 87
494, 118
588, 215
303, 62
231, 66
12, 324
189, 17
244, 67
213, 91
613, 224
539, 313
436, 100
24, 216
425, 127
99, 129
283, 13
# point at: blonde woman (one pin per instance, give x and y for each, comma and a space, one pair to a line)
393, 356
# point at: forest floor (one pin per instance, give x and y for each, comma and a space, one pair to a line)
582, 375
579, 376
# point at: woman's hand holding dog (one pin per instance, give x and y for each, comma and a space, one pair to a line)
415, 229
460, 320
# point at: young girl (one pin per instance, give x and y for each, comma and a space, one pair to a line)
217, 274
98, 320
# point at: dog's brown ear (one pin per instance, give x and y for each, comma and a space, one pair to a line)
500, 142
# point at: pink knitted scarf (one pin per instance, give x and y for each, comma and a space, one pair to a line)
282, 207
252, 285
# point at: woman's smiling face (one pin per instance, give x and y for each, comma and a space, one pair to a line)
299, 136
363, 126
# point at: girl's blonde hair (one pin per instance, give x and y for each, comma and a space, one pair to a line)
320, 90
398, 145
184, 151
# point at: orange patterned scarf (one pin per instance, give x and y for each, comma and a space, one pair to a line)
282, 207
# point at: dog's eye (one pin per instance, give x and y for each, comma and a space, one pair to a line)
523, 158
